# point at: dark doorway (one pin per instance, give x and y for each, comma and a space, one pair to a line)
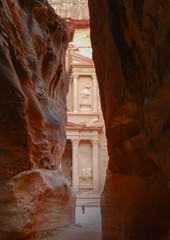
67, 162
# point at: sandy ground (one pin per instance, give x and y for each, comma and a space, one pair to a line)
87, 227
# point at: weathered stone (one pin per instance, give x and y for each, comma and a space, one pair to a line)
131, 50
71, 9
33, 87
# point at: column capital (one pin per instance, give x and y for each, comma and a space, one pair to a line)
75, 142
74, 76
95, 142
93, 77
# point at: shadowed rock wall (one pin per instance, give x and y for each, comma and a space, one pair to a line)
34, 195
131, 50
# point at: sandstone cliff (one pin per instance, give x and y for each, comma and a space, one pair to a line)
34, 195
131, 50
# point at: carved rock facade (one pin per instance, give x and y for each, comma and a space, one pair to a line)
131, 50
34, 195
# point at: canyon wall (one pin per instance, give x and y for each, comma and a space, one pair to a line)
131, 50
34, 195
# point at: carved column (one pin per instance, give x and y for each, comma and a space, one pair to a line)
94, 93
95, 167
75, 93
75, 163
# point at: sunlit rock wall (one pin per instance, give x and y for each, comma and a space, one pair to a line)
131, 50
34, 195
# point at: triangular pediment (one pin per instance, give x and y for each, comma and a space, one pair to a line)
79, 59
73, 125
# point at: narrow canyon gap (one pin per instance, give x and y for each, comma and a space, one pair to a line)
34, 195
131, 50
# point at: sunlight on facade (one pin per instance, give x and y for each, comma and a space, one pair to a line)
85, 158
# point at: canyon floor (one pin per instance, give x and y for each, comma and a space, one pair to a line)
87, 227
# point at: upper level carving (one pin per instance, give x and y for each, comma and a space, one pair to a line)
74, 9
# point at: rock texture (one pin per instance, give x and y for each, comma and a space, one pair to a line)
131, 50
34, 195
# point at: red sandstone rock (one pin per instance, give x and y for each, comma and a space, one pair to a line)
34, 196
131, 50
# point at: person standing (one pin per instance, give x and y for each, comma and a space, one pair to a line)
83, 208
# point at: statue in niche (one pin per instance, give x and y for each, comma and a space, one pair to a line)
73, 47
85, 93
87, 172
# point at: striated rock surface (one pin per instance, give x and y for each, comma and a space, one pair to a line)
34, 195
131, 50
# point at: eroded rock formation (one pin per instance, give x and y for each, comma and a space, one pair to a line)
34, 195
131, 50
